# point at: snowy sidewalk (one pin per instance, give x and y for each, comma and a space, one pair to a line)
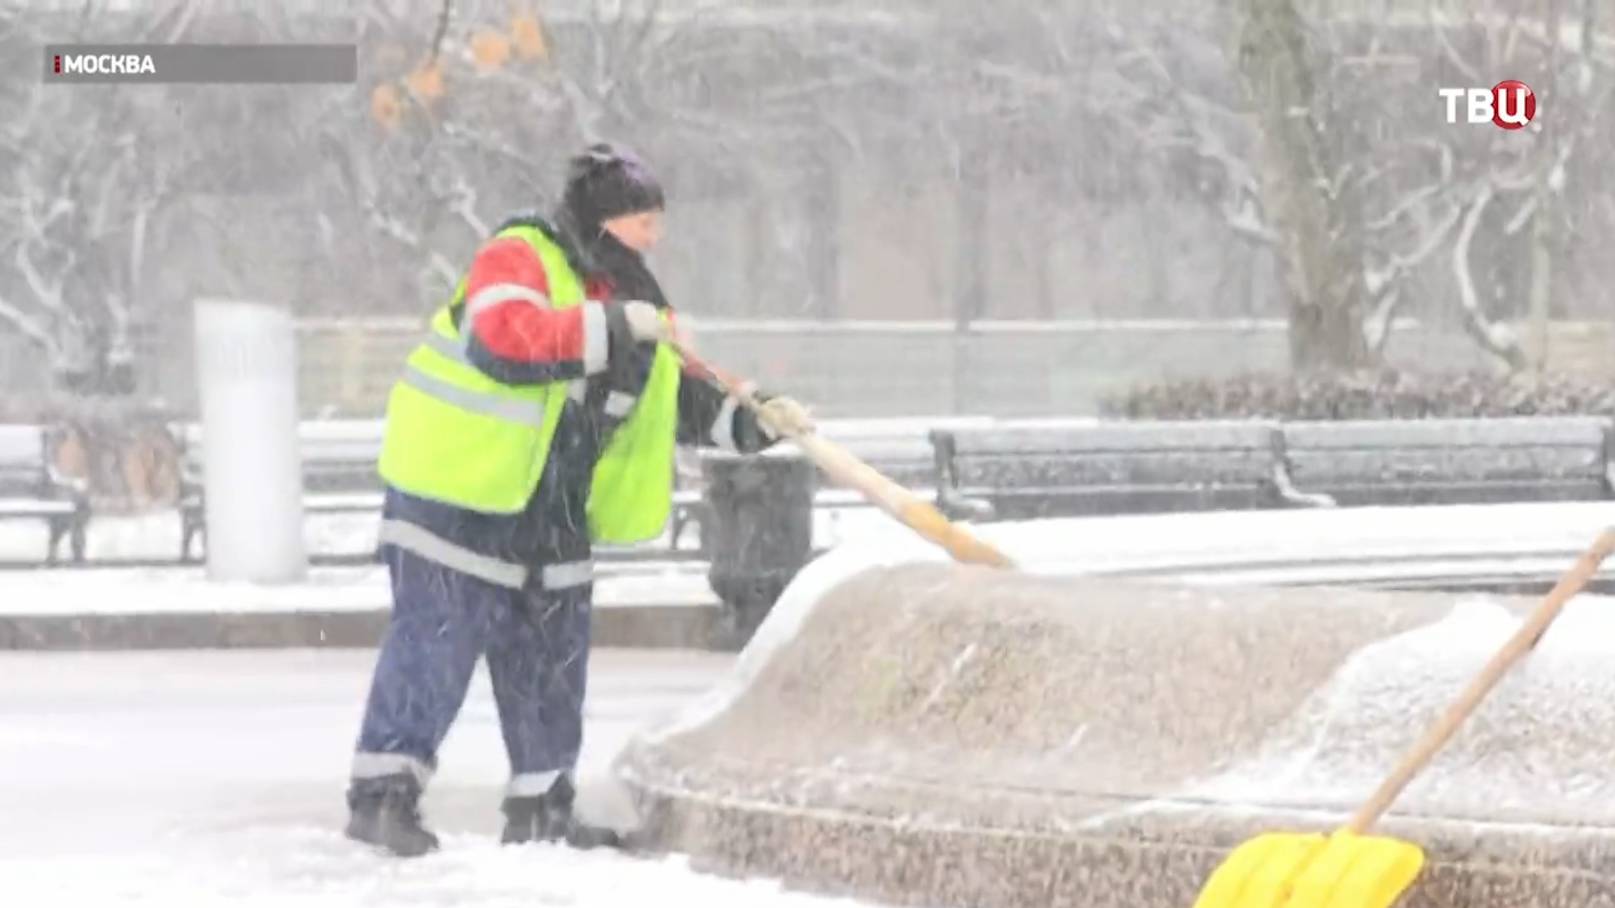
155, 538
649, 604
216, 779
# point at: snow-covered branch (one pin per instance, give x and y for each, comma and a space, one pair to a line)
465, 205
170, 26
437, 263
47, 291
1440, 30
1185, 125
482, 140
29, 326
1243, 217
1384, 282
1497, 337
1419, 198
1523, 215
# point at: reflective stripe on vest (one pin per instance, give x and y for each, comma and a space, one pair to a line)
567, 574
452, 349
423, 542
457, 436
494, 294
433, 547
596, 341
525, 412
723, 427
618, 404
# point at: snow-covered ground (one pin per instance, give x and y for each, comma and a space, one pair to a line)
215, 778
174, 587
1348, 545
109, 591
155, 536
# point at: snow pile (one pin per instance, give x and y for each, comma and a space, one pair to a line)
885, 543
1537, 749
1178, 546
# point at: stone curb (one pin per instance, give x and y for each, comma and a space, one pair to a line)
626, 626
910, 861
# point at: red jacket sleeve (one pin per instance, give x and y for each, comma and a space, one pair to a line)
516, 336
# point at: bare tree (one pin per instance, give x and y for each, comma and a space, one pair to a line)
88, 173
1357, 189
1302, 176
1374, 208
430, 184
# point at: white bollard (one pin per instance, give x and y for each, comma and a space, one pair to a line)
246, 372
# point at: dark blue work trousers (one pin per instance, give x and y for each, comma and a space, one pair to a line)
443, 621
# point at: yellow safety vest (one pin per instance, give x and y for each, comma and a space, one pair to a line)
457, 436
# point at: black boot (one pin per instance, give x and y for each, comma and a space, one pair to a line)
386, 812
549, 818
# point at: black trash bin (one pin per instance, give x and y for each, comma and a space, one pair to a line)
758, 530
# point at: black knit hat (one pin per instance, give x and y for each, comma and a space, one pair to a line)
608, 181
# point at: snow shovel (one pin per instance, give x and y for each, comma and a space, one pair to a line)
1350, 869
840, 464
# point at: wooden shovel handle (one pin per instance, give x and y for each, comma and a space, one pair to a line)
842, 466
1517, 646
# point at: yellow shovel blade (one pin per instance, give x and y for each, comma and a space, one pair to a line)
1356, 871
1259, 873
1281, 870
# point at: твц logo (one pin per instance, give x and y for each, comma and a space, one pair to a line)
1509, 104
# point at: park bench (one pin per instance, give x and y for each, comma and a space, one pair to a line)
339, 473
1052, 468
31, 488
1452, 461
